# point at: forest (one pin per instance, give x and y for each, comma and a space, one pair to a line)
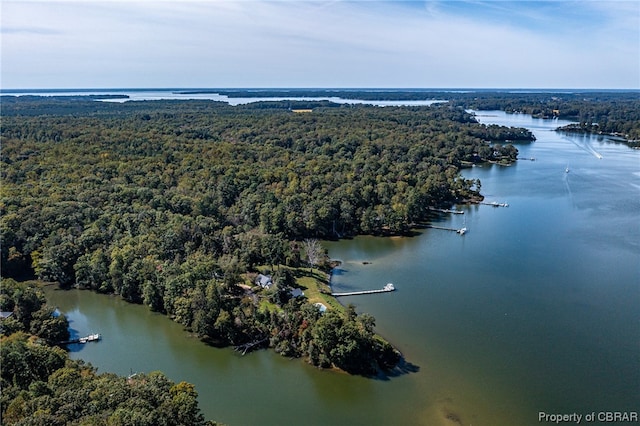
180, 204
41, 385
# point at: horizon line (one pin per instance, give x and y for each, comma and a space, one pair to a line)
257, 88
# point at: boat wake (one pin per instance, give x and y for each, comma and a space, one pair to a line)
567, 186
586, 147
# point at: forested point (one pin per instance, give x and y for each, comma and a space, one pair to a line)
41, 385
181, 204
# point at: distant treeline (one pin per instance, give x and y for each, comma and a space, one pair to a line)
607, 112
615, 112
423, 94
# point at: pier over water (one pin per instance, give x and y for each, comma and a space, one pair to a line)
387, 288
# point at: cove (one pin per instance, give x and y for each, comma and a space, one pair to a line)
534, 309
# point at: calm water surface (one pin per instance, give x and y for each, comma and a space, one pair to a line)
185, 94
534, 309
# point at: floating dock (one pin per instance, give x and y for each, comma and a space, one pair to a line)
90, 338
387, 288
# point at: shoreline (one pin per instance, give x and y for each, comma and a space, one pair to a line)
614, 137
402, 360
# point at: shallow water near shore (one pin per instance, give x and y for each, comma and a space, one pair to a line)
534, 309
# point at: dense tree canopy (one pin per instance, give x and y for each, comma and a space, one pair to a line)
28, 312
42, 386
178, 205
175, 204
607, 112
92, 195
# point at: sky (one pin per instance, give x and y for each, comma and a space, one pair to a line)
583, 44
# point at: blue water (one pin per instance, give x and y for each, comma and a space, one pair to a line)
534, 309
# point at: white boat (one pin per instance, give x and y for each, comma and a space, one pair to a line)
90, 338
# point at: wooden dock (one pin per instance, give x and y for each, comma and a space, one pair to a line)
387, 288
495, 204
444, 228
460, 231
433, 209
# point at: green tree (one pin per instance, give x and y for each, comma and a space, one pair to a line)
48, 325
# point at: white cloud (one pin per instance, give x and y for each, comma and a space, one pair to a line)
331, 44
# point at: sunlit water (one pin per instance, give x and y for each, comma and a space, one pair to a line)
534, 309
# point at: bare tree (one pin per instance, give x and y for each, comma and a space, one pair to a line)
313, 250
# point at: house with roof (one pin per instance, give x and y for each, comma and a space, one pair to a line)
5, 314
296, 292
264, 281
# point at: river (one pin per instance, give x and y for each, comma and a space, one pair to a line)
185, 94
534, 309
